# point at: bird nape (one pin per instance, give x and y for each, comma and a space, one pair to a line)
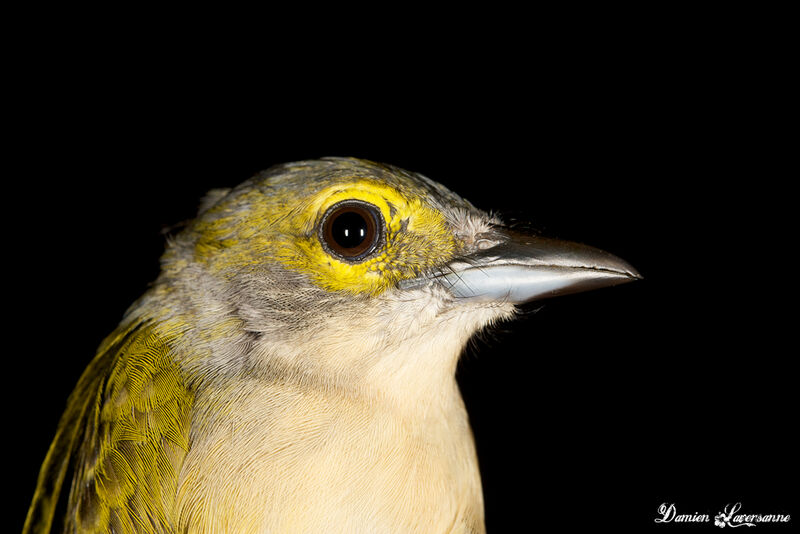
292, 368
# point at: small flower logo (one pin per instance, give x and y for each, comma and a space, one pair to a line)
724, 518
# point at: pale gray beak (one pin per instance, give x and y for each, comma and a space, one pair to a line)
522, 268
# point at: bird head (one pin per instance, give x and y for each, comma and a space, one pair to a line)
351, 272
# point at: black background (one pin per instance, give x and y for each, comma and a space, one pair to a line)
665, 144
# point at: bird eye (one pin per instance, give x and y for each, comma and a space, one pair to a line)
351, 229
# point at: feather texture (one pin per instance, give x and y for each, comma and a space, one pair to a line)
125, 430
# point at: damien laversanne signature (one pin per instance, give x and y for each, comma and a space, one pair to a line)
728, 517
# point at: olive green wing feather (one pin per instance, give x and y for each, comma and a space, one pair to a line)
125, 434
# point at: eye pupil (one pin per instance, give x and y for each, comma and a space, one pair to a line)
351, 229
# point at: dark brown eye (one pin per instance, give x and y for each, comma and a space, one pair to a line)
351, 229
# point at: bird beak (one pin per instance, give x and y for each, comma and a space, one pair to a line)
522, 268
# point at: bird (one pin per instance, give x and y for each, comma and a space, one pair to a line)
292, 367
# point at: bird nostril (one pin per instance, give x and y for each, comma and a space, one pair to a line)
484, 244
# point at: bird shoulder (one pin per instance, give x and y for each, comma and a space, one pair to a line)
124, 435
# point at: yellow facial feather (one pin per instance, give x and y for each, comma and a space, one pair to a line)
284, 228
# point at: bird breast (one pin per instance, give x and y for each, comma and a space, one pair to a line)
279, 457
